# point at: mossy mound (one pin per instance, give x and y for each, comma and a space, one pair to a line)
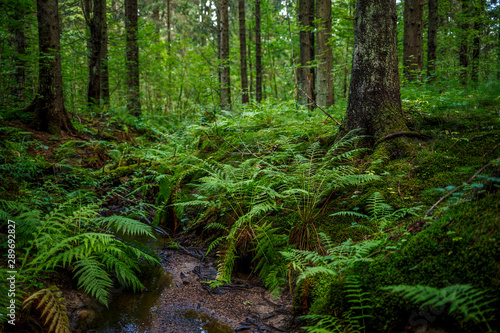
461, 247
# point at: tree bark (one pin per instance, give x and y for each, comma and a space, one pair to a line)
225, 89
374, 103
306, 36
97, 36
413, 38
479, 8
49, 112
104, 61
19, 45
243, 52
432, 39
132, 50
258, 53
463, 56
324, 82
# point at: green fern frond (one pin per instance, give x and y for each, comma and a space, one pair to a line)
126, 225
93, 278
471, 302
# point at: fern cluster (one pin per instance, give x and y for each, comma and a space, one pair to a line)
352, 320
246, 192
469, 301
380, 214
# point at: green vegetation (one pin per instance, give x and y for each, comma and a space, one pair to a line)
367, 236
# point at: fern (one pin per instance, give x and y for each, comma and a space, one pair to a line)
471, 302
51, 305
93, 278
380, 213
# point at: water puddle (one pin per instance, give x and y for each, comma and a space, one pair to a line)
206, 323
139, 312
134, 312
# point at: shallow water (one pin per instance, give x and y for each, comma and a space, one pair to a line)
136, 312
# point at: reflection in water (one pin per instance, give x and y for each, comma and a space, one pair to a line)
129, 312
135, 313
206, 323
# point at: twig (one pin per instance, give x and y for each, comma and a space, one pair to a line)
319, 107
399, 191
489, 151
455, 189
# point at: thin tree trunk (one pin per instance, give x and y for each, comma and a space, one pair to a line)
104, 61
258, 53
463, 56
243, 52
306, 36
413, 39
432, 39
374, 104
478, 25
49, 112
19, 45
324, 81
97, 27
250, 39
225, 95
133, 89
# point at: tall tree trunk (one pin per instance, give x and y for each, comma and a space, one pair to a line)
374, 103
478, 25
324, 81
432, 39
463, 56
104, 61
258, 53
225, 94
250, 39
243, 52
19, 45
132, 50
97, 28
49, 112
413, 38
306, 36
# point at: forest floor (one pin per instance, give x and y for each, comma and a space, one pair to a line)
148, 171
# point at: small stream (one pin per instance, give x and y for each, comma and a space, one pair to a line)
138, 312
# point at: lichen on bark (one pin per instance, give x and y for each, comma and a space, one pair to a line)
374, 103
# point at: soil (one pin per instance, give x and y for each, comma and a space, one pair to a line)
245, 307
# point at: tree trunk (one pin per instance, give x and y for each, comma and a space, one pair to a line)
324, 82
306, 36
374, 103
478, 25
97, 28
19, 45
132, 50
225, 94
250, 40
243, 52
413, 38
104, 61
258, 53
432, 39
49, 112
463, 56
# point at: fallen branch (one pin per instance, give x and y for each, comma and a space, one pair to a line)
456, 189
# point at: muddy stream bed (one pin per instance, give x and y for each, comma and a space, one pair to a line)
176, 300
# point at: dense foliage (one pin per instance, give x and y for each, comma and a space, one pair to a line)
365, 239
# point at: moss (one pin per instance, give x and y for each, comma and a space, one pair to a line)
459, 248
